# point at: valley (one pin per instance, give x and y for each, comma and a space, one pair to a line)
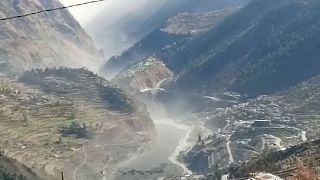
217, 90
247, 119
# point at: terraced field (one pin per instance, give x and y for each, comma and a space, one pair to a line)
50, 123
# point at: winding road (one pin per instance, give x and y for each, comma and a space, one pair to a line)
231, 160
81, 164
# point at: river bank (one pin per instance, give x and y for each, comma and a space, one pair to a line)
163, 158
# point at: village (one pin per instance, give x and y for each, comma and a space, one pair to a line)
265, 124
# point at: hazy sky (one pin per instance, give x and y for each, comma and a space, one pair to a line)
105, 21
109, 8
86, 12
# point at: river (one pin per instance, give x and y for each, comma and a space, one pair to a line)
172, 139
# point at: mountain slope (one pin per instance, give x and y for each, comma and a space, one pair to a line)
297, 162
262, 125
129, 25
144, 77
258, 50
12, 170
44, 40
168, 39
50, 119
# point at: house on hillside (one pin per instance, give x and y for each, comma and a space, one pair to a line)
261, 123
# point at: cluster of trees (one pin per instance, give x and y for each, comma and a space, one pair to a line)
5, 90
78, 130
35, 76
6, 175
117, 100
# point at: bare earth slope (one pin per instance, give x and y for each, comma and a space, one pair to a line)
146, 77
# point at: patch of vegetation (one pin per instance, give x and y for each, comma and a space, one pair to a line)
6, 175
118, 100
77, 130
79, 83
36, 76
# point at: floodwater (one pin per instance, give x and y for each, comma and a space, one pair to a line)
171, 138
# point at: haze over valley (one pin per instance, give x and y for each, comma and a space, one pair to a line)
159, 90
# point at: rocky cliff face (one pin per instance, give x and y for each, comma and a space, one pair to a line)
44, 40
145, 77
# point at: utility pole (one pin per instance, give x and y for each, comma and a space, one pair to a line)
62, 175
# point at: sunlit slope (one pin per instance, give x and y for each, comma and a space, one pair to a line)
43, 40
53, 117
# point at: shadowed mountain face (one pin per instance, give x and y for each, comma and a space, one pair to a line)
265, 47
115, 31
44, 40
170, 27
258, 49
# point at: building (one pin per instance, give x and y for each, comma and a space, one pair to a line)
261, 123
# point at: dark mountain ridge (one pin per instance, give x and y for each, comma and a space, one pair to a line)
258, 50
156, 41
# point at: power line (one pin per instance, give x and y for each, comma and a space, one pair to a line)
48, 10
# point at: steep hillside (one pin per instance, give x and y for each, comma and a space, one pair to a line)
12, 170
69, 120
194, 23
265, 47
145, 77
129, 25
165, 40
297, 162
44, 40
262, 125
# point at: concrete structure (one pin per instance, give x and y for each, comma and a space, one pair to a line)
262, 123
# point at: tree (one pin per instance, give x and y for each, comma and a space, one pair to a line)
199, 138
